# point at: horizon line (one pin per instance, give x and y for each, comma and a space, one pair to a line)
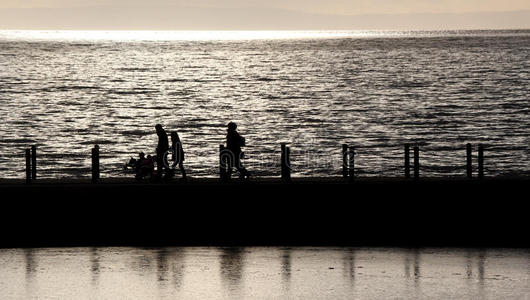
276, 30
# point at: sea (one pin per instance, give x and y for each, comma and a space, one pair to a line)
65, 91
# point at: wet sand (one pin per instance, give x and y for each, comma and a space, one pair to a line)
264, 273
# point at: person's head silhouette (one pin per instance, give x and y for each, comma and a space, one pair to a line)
232, 126
158, 128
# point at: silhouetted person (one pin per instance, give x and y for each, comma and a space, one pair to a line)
161, 151
144, 166
178, 154
234, 142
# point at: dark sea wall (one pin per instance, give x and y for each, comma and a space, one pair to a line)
372, 213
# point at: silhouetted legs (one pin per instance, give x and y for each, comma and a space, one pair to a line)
161, 165
243, 173
171, 172
182, 171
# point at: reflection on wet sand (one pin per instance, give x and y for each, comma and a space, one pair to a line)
142, 260
31, 267
31, 264
232, 267
161, 266
178, 266
412, 263
407, 265
94, 266
417, 273
480, 257
246, 273
469, 264
480, 267
286, 268
349, 264
412, 259
481, 271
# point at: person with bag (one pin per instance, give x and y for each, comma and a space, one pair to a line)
177, 154
234, 142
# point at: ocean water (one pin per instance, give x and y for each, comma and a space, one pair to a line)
264, 273
68, 90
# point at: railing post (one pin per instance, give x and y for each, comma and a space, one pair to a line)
28, 166
468, 161
344, 160
286, 163
33, 162
407, 161
480, 162
95, 164
352, 163
416, 162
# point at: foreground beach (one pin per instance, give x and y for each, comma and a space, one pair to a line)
307, 211
263, 273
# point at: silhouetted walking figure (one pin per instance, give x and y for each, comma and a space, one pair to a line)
177, 154
234, 142
161, 151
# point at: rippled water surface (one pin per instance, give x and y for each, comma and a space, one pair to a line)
264, 273
65, 91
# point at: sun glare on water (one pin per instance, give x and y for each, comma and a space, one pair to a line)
176, 35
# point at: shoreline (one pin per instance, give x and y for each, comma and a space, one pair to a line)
257, 180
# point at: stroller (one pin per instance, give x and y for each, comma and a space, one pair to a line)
143, 167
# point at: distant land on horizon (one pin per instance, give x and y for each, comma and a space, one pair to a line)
195, 18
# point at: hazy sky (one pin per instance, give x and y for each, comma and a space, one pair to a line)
270, 14
312, 6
